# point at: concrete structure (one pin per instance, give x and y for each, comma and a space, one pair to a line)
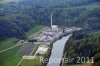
53, 27
53, 33
51, 21
42, 49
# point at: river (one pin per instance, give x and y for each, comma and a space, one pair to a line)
57, 51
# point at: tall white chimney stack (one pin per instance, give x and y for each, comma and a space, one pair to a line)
51, 21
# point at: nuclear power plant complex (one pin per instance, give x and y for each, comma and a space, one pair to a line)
53, 33
43, 40
50, 34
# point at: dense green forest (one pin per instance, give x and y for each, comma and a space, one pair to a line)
16, 18
84, 44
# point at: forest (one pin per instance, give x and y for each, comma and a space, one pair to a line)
16, 18
84, 44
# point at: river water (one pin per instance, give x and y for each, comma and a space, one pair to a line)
57, 51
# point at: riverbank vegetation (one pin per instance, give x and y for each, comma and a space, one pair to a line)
84, 44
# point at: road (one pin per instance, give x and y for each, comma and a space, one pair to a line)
36, 42
10, 48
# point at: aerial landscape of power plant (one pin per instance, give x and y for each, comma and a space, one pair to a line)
46, 37
49, 33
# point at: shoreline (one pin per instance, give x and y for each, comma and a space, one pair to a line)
65, 44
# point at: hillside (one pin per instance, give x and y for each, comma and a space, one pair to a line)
19, 17
7, 1
57, 3
84, 44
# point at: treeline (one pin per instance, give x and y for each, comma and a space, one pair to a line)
84, 44
59, 3
16, 18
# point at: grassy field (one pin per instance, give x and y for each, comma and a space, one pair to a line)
7, 1
34, 62
4, 44
10, 57
85, 64
35, 30
65, 64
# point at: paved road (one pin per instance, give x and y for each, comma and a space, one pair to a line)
10, 48
35, 48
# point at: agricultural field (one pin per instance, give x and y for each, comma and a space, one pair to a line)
33, 62
10, 57
7, 43
14, 55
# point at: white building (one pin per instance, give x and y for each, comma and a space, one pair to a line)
55, 28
